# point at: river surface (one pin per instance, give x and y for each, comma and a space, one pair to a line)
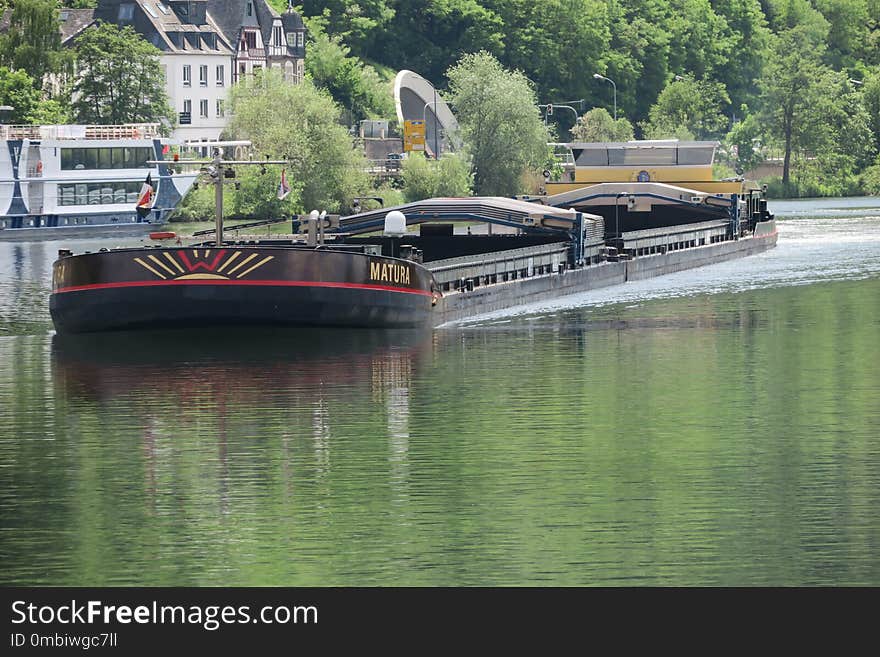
712, 427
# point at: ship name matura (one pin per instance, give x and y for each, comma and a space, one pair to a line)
389, 272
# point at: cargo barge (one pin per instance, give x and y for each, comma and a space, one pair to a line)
416, 264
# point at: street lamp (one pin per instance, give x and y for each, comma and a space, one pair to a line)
602, 77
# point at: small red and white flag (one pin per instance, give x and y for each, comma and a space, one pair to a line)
283, 188
145, 198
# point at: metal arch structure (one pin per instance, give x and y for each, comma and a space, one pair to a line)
416, 99
532, 217
580, 229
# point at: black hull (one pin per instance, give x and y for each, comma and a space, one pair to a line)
185, 306
175, 288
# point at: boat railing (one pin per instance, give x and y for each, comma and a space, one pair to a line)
88, 132
467, 272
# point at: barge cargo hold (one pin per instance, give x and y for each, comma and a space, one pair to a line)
372, 269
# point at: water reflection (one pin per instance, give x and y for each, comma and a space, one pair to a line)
698, 432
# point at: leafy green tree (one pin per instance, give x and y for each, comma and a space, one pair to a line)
744, 145
700, 40
257, 193
749, 41
872, 103
119, 79
33, 41
871, 179
17, 91
688, 108
428, 36
353, 84
638, 59
848, 22
500, 123
562, 60
790, 87
300, 123
450, 176
598, 125
358, 23
199, 204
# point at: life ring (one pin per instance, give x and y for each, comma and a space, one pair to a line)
163, 235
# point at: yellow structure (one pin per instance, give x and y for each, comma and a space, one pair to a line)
413, 136
682, 163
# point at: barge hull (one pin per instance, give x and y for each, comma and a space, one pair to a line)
146, 288
491, 298
193, 305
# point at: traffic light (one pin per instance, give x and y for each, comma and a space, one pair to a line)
549, 109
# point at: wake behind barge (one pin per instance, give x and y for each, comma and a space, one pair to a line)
413, 265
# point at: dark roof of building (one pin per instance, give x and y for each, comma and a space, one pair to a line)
229, 16
291, 19
155, 20
74, 21
266, 16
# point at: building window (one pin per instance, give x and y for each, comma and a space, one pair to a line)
126, 11
250, 40
221, 108
300, 39
276, 35
187, 75
221, 75
203, 76
250, 8
203, 108
187, 106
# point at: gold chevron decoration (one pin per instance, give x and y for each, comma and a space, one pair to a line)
202, 264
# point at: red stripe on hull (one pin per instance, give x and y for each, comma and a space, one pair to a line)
356, 286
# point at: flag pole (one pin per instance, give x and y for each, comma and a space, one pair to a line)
218, 200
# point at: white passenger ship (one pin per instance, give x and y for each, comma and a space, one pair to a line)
66, 180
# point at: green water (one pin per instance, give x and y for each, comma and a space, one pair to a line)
715, 427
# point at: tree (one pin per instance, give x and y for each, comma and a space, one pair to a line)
599, 125
357, 23
450, 176
500, 123
353, 84
33, 41
119, 79
790, 88
257, 193
299, 122
749, 40
743, 143
688, 108
872, 102
17, 90
555, 58
430, 35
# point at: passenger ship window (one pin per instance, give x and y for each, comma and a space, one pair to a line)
99, 193
73, 159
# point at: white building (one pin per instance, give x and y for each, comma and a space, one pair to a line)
208, 45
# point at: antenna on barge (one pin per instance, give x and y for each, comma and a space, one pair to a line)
218, 170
